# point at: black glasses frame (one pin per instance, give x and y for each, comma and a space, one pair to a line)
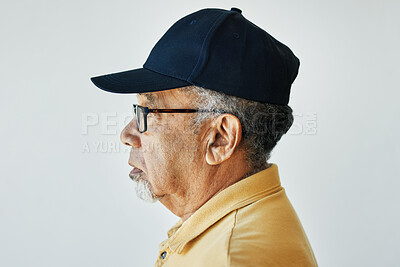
145, 111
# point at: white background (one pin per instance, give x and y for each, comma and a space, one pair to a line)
61, 205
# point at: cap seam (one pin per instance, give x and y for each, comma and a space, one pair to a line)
204, 50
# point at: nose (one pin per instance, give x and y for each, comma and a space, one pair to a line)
130, 135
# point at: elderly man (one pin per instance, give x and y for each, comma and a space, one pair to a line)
212, 104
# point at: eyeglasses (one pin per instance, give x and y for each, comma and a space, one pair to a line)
142, 112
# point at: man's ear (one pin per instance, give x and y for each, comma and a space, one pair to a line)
224, 138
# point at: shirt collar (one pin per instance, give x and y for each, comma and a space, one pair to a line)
242, 193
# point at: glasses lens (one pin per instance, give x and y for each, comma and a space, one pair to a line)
141, 118
134, 110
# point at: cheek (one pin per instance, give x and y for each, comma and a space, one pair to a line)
161, 175
156, 161
182, 152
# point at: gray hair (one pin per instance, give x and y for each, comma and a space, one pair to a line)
263, 124
142, 188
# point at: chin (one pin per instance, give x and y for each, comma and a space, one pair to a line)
143, 189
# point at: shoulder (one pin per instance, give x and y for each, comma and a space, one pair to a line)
268, 232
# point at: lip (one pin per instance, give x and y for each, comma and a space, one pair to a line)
135, 169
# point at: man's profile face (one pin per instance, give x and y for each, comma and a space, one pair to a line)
167, 155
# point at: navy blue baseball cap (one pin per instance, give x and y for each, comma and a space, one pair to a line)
215, 49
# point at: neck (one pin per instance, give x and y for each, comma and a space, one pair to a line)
202, 187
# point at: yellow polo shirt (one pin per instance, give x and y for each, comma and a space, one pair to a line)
250, 223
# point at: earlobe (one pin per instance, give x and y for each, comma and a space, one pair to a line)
224, 139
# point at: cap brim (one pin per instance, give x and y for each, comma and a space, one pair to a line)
137, 81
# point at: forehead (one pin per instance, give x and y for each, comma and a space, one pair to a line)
164, 99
